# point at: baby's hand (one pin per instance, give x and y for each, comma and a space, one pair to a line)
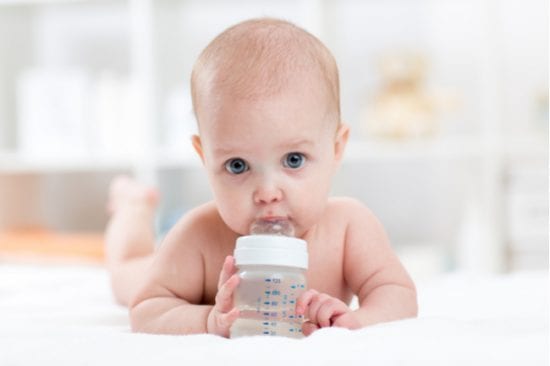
223, 314
322, 310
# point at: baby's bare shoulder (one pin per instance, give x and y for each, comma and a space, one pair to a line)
352, 213
181, 256
196, 227
348, 207
199, 217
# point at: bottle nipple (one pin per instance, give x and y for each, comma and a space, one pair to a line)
272, 227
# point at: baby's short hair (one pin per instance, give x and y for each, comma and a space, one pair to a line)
258, 57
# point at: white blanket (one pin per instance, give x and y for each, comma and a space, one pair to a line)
65, 315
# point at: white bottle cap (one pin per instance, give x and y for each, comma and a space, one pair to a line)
274, 250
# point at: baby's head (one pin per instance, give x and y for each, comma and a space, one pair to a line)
260, 58
266, 98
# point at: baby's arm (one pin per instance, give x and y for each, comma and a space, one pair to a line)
169, 303
373, 272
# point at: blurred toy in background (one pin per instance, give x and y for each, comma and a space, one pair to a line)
403, 108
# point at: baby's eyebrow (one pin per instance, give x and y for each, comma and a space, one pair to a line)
297, 144
288, 145
223, 151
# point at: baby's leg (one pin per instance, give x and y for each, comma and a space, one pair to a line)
130, 236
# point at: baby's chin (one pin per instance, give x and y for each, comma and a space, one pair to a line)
237, 229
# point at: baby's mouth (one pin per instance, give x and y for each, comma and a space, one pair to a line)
273, 218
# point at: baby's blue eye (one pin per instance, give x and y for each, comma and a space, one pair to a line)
236, 166
294, 160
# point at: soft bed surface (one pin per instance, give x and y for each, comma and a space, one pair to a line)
65, 315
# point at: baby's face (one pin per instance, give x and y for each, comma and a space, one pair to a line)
271, 158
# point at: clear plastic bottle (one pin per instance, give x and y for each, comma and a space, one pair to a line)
272, 270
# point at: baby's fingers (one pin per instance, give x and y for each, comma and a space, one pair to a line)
224, 321
304, 301
308, 328
228, 269
329, 310
220, 323
224, 297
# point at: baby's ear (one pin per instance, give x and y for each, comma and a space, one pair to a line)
196, 140
341, 140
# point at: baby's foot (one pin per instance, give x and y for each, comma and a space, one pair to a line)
125, 192
130, 232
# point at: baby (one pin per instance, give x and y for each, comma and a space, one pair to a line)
266, 97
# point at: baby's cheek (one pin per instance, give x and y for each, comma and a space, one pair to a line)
235, 218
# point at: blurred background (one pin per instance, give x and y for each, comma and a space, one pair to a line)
447, 101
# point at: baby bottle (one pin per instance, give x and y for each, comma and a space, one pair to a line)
271, 265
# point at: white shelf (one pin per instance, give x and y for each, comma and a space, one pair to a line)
357, 151
529, 145
434, 149
12, 163
445, 149
41, 2
177, 159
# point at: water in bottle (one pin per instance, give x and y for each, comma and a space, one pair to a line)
272, 267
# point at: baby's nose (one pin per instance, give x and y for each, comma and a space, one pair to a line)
267, 192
